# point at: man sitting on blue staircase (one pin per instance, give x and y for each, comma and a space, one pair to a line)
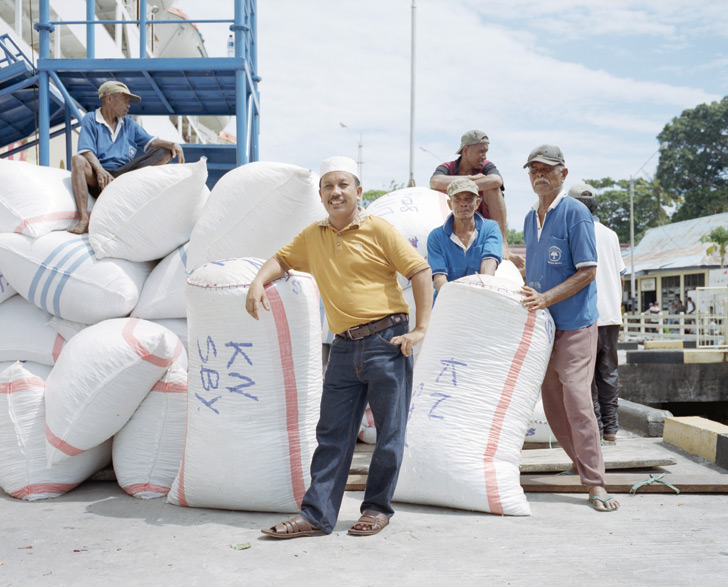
108, 146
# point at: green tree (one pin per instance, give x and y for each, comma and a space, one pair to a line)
718, 237
370, 195
694, 166
613, 201
515, 237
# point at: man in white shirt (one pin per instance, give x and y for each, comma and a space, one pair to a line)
610, 281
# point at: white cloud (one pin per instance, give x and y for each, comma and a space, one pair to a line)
479, 65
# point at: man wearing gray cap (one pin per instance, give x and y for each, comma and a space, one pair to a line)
473, 165
354, 258
561, 264
108, 145
466, 243
610, 284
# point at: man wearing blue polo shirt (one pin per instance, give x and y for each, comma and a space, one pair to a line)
112, 143
467, 243
561, 265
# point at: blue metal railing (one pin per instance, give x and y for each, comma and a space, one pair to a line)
244, 28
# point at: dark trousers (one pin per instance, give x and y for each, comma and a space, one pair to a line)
359, 371
151, 157
605, 387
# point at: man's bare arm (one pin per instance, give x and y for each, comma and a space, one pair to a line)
270, 271
173, 148
422, 290
534, 300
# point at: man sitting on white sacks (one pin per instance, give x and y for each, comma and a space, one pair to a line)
107, 146
467, 243
561, 265
354, 258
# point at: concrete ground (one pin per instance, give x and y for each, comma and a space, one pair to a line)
98, 535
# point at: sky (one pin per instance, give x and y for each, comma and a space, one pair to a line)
598, 79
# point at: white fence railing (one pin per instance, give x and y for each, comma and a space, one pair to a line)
708, 330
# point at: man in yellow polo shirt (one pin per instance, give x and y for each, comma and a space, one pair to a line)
355, 258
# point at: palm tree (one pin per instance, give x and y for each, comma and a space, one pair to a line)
718, 237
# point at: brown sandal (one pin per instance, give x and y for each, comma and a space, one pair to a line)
374, 520
294, 528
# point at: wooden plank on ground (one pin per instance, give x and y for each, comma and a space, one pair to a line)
623, 483
356, 483
636, 453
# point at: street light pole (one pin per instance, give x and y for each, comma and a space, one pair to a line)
632, 284
359, 153
412, 102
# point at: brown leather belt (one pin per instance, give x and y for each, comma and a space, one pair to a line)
364, 330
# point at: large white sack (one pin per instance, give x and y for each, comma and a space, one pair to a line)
475, 384
59, 273
538, 427
254, 391
34, 199
176, 325
253, 211
23, 471
163, 295
145, 214
25, 333
6, 290
147, 451
102, 376
414, 212
38, 369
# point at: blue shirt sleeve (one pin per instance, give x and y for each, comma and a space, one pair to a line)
493, 245
583, 243
87, 138
435, 256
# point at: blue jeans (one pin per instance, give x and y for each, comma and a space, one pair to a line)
359, 371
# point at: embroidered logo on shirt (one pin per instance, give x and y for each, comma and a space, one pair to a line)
131, 151
554, 255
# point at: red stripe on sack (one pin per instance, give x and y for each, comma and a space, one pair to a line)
181, 497
370, 417
57, 347
67, 215
291, 392
62, 445
170, 387
128, 335
21, 385
41, 488
135, 488
491, 481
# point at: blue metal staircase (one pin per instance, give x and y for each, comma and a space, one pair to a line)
168, 86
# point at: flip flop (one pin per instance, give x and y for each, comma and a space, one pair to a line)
372, 518
296, 527
604, 501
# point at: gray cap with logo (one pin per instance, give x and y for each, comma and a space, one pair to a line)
463, 184
549, 154
473, 137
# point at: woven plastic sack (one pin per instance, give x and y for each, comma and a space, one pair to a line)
59, 273
23, 471
102, 376
38, 369
25, 333
147, 451
147, 213
368, 430
475, 385
414, 212
254, 391
538, 427
163, 295
6, 290
253, 211
34, 199
176, 325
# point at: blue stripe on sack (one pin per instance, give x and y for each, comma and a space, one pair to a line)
62, 283
183, 254
56, 270
44, 265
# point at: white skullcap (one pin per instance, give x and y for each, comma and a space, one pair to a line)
338, 164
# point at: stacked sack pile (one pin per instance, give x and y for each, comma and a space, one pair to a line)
80, 378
